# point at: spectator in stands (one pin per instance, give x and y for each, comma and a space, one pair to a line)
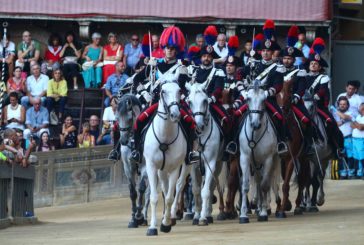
95, 129
115, 82
14, 113
37, 120
358, 141
52, 58
302, 45
200, 41
245, 55
92, 67
113, 52
351, 93
44, 143
108, 120
157, 51
85, 139
343, 119
57, 93
9, 56
70, 54
132, 54
68, 137
221, 49
36, 86
16, 83
28, 52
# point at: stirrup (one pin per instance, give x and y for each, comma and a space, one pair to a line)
231, 148
113, 155
135, 157
282, 148
193, 157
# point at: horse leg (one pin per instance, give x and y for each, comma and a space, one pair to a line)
233, 186
179, 188
285, 190
146, 201
315, 187
302, 181
245, 167
196, 190
321, 194
153, 182
206, 192
166, 225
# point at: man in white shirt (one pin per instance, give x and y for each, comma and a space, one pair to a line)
351, 94
8, 57
221, 49
343, 117
37, 85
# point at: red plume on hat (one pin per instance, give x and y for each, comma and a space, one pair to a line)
233, 45
145, 45
173, 37
210, 35
257, 40
318, 46
193, 51
268, 29
292, 36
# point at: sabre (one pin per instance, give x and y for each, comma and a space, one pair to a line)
151, 73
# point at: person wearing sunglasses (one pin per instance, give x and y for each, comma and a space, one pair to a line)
132, 53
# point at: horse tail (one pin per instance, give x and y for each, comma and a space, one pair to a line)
223, 177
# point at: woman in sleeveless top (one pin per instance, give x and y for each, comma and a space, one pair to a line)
85, 139
14, 113
16, 83
113, 52
68, 137
92, 71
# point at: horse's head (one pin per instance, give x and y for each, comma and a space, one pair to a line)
255, 99
170, 96
128, 111
309, 102
198, 102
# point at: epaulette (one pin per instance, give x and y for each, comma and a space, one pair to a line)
281, 69
325, 79
220, 73
302, 73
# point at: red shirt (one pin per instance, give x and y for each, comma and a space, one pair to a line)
52, 53
158, 53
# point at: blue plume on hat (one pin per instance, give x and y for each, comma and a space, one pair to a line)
268, 29
258, 40
292, 36
233, 45
145, 45
210, 35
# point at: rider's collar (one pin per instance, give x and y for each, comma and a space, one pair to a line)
312, 74
267, 62
206, 67
170, 61
291, 68
230, 77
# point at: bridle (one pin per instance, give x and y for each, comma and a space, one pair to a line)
129, 128
167, 108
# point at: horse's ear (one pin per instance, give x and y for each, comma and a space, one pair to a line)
188, 86
128, 104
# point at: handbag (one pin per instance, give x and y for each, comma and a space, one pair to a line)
53, 118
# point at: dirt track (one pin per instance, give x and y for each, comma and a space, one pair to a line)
340, 220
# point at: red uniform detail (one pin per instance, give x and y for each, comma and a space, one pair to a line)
300, 115
273, 110
324, 115
239, 112
146, 114
188, 119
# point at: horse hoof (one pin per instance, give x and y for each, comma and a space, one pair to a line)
288, 206
243, 220
133, 224
145, 223
152, 232
140, 221
203, 222
165, 228
188, 216
262, 218
281, 215
210, 220
312, 209
320, 202
214, 199
179, 215
253, 205
269, 211
195, 222
221, 216
298, 211
173, 221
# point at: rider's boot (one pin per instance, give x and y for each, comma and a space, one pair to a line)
114, 154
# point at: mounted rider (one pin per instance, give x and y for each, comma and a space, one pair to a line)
296, 75
215, 80
270, 75
146, 87
317, 85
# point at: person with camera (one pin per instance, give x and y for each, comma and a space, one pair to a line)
108, 120
14, 113
68, 136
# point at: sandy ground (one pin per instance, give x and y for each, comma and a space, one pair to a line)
340, 221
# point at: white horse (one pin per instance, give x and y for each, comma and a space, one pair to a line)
258, 149
211, 147
128, 110
164, 151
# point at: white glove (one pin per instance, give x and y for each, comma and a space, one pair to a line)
183, 70
211, 100
232, 86
266, 93
295, 100
236, 105
140, 87
152, 61
316, 97
146, 96
129, 80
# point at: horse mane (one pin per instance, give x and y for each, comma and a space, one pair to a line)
122, 106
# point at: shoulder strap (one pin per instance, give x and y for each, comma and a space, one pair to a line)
317, 81
266, 71
211, 75
290, 75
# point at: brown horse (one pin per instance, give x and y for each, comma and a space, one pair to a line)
295, 160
